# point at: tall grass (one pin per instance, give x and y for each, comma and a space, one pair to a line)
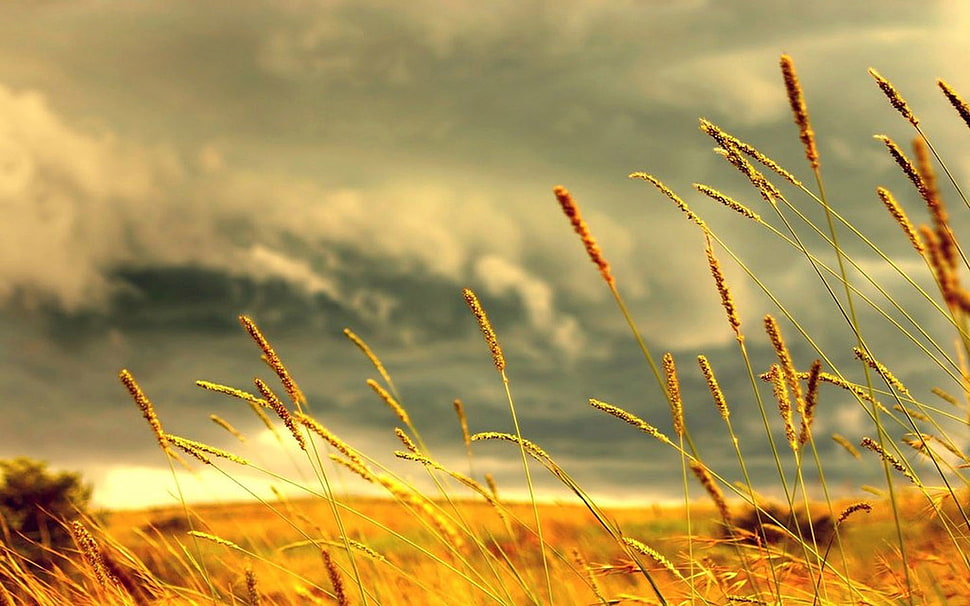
463, 543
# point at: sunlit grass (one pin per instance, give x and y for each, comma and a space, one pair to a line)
461, 542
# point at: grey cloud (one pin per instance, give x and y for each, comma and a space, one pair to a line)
322, 165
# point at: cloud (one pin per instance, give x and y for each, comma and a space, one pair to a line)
264, 262
59, 194
501, 277
80, 205
736, 83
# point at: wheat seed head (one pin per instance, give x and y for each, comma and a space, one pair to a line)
214, 539
941, 218
851, 509
271, 357
196, 448
706, 479
899, 215
784, 360
673, 393
492, 486
732, 153
252, 589
877, 448
865, 357
846, 444
336, 578
281, 411
894, 97
227, 426
945, 274
652, 553
780, 390
731, 203
366, 350
498, 358
331, 438
406, 440
571, 210
594, 585
355, 467
796, 99
392, 403
958, 103
811, 400
752, 152
630, 419
671, 195
856, 390
146, 407
907, 166
727, 301
92, 554
463, 422
719, 401
530, 447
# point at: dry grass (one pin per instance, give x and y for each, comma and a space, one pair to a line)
463, 544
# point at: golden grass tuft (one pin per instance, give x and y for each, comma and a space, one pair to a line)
846, 444
571, 210
704, 476
252, 587
811, 401
227, 426
906, 166
894, 97
851, 509
734, 205
655, 555
196, 448
274, 361
630, 419
720, 402
898, 465
391, 402
673, 393
670, 194
956, 101
146, 407
336, 578
879, 367
899, 215
378, 365
785, 362
92, 555
281, 411
727, 301
796, 99
498, 358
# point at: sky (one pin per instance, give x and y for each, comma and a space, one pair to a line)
168, 165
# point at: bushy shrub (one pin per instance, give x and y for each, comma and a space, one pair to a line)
774, 524
35, 502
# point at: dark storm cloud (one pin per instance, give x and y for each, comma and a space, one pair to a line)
166, 166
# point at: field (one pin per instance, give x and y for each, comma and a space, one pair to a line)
587, 565
903, 542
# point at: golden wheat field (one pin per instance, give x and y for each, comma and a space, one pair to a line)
903, 542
